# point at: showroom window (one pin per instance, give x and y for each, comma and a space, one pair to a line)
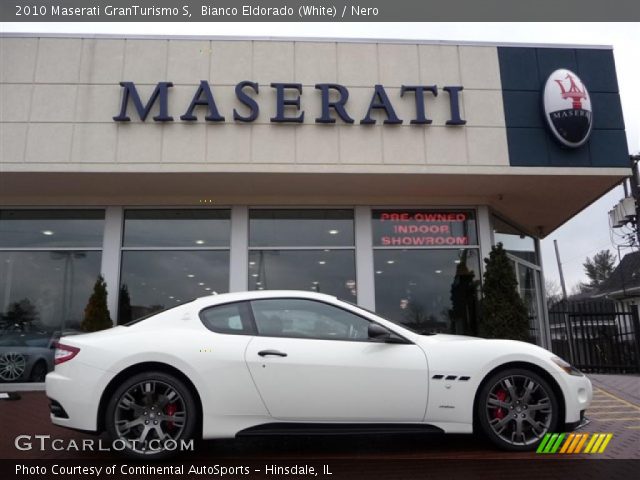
523, 254
514, 241
171, 256
49, 262
303, 249
427, 269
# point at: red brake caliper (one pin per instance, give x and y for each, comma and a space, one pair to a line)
499, 413
170, 410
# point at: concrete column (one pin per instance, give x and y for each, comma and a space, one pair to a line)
113, 225
485, 233
364, 258
239, 262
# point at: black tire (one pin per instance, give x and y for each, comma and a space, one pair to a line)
149, 414
520, 423
39, 371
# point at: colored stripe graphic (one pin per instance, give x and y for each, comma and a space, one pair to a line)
606, 442
584, 439
567, 443
575, 442
550, 443
558, 443
572, 443
543, 443
594, 437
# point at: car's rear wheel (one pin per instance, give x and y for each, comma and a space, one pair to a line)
151, 415
516, 408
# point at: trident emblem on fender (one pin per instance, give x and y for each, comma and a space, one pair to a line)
574, 93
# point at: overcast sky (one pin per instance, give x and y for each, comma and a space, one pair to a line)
582, 236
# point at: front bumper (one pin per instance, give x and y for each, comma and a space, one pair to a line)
578, 394
583, 422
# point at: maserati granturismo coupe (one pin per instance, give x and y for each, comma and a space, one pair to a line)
291, 362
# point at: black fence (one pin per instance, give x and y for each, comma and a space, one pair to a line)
597, 336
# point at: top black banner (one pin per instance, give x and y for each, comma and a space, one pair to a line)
316, 10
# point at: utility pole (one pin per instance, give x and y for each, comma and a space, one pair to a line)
564, 288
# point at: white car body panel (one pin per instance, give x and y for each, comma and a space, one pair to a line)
319, 380
336, 381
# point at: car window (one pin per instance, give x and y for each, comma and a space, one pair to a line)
231, 318
300, 318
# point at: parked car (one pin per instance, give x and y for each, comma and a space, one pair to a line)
25, 357
300, 362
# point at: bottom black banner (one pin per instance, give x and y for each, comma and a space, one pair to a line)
329, 469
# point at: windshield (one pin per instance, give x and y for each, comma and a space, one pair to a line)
419, 332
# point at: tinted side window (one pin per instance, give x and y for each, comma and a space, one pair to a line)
301, 318
231, 319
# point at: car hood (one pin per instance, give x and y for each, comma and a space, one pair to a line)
445, 337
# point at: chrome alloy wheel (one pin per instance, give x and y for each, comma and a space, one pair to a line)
519, 409
149, 414
12, 366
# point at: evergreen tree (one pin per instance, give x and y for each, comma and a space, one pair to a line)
464, 300
96, 313
124, 305
21, 315
504, 314
598, 269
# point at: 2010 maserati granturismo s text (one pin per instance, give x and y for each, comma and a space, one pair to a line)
290, 362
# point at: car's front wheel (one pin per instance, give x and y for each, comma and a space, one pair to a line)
151, 415
516, 408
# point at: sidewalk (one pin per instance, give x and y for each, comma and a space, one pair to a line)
626, 387
616, 409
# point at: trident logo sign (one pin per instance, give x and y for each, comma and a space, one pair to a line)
567, 108
574, 93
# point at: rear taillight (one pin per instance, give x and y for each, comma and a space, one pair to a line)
64, 353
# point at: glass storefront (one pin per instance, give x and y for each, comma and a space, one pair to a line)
523, 254
429, 291
514, 241
425, 264
300, 249
49, 262
155, 280
171, 256
423, 279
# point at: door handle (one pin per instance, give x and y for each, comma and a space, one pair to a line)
277, 353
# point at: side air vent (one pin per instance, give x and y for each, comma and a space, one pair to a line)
437, 377
463, 379
451, 377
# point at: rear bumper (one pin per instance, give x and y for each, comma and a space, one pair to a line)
74, 393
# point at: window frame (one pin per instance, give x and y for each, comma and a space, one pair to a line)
23, 248
299, 248
122, 248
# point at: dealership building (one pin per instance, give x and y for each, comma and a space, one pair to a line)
381, 172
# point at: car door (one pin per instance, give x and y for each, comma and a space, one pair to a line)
313, 361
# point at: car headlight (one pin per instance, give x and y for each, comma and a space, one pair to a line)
567, 367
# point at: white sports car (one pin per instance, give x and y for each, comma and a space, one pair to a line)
298, 362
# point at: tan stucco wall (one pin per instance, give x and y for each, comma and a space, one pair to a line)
59, 96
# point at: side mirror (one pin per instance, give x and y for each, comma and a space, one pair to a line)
378, 332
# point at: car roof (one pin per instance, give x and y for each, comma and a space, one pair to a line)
210, 300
